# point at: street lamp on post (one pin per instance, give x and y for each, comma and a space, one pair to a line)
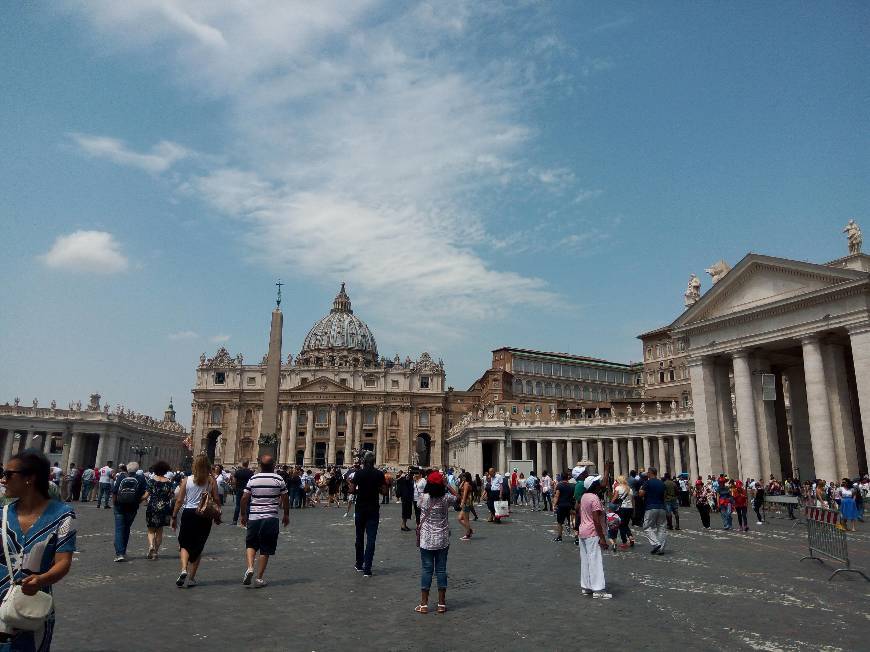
140, 449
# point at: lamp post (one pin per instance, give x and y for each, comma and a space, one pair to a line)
140, 449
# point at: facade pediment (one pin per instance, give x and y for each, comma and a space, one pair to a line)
762, 280
321, 384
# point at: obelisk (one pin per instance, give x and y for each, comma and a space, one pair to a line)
268, 441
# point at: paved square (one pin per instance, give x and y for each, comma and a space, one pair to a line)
511, 588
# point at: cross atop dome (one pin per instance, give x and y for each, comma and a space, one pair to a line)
342, 301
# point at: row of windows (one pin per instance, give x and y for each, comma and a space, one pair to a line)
220, 378
667, 375
538, 367
577, 392
665, 350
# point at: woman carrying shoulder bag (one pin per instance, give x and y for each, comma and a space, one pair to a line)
47, 528
193, 494
435, 503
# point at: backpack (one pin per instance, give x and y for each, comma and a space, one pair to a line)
537, 483
128, 491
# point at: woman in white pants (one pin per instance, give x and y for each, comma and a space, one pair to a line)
592, 536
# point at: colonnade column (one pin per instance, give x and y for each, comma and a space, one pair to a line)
308, 457
476, 456
663, 456
821, 433
705, 405
569, 452
693, 459
525, 449
7, 445
348, 435
750, 462
632, 462
802, 448
381, 443
584, 444
74, 448
291, 440
46, 444
646, 456
554, 454
599, 466
539, 459
728, 440
617, 467
860, 338
834, 356
678, 456
284, 429
333, 433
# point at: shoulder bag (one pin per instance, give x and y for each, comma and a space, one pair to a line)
207, 507
18, 610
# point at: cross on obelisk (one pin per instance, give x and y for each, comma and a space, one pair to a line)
268, 442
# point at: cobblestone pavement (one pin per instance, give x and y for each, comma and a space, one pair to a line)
511, 588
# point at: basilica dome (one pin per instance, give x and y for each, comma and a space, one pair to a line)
340, 337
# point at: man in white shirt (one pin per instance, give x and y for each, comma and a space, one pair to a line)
106, 473
265, 492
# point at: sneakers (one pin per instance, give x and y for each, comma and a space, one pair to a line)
367, 573
759, 523
191, 582
602, 595
587, 592
181, 577
249, 574
120, 558
655, 550
465, 538
358, 569
259, 583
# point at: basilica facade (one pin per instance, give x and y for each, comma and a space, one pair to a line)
335, 397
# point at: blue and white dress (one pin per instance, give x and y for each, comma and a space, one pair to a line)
54, 531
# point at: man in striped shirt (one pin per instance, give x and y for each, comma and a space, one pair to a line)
265, 492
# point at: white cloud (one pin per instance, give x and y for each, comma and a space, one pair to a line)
219, 339
161, 158
183, 335
86, 251
360, 135
586, 195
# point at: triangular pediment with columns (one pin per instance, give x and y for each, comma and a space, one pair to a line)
322, 384
759, 281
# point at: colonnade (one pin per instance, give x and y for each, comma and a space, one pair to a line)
672, 454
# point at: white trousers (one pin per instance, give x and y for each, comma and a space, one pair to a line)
591, 565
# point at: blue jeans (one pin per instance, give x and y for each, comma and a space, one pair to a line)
726, 517
366, 521
238, 508
123, 522
105, 490
434, 560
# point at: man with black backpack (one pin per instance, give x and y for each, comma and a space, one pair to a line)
128, 492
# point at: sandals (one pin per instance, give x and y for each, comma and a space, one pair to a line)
422, 608
442, 608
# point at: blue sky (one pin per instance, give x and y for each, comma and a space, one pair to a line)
541, 175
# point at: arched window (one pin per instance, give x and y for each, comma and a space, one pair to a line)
558, 390
587, 393
576, 391
539, 388
529, 389
518, 386
394, 419
216, 415
548, 389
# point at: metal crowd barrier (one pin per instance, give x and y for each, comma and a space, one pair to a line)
826, 539
784, 506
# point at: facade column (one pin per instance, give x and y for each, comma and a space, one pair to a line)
750, 460
358, 423
765, 419
663, 456
584, 444
632, 462
7, 445
785, 451
283, 443
846, 450
539, 460
349, 423
725, 414
308, 457
381, 439
104, 451
646, 455
293, 435
599, 466
333, 433
801, 445
693, 461
678, 456
46, 444
821, 433
571, 453
525, 449
860, 338
617, 467
706, 410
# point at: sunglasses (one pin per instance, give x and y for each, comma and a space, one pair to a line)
8, 473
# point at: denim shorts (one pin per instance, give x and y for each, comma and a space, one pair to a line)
672, 506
